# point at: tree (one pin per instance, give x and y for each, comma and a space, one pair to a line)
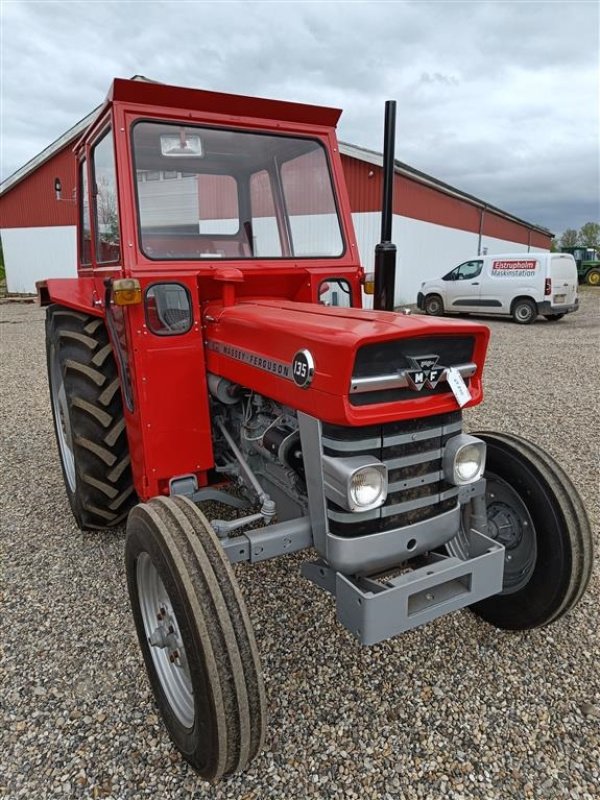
589, 234
569, 238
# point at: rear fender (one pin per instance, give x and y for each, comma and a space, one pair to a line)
77, 293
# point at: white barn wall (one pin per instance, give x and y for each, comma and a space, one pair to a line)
425, 251
31, 254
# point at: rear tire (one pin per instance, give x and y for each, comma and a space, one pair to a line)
88, 418
539, 517
434, 305
196, 636
553, 317
593, 277
524, 311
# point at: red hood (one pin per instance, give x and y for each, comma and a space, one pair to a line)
252, 341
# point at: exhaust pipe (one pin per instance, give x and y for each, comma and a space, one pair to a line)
385, 251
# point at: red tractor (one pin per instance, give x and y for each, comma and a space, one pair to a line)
214, 348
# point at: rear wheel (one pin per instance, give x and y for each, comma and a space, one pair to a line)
434, 305
553, 317
88, 418
524, 311
195, 635
593, 277
534, 510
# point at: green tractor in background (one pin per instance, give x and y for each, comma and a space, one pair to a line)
588, 263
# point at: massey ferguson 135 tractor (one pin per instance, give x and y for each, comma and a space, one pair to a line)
214, 348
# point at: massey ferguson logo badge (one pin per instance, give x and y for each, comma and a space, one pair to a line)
425, 372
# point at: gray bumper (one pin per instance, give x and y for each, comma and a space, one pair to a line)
376, 610
546, 307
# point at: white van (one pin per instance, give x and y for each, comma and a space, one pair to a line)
520, 284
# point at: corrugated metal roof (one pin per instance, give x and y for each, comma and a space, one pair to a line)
46, 154
375, 158
69, 136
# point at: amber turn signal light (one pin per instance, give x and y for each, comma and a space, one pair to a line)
369, 283
127, 292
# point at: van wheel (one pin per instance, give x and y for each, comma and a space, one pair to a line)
434, 305
554, 317
524, 311
593, 277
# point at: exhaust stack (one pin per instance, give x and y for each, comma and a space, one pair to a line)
385, 251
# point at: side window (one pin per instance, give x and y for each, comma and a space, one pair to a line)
108, 239
452, 275
85, 232
335, 292
265, 233
168, 309
469, 270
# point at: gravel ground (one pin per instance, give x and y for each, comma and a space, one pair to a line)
456, 709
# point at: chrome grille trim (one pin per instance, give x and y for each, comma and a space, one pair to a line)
344, 446
412, 483
399, 380
397, 508
391, 441
409, 461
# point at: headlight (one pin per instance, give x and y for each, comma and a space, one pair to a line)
367, 487
358, 483
464, 459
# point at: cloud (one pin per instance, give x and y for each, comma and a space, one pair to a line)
498, 99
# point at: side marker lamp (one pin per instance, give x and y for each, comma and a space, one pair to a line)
126, 292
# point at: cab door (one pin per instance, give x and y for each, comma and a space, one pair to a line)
463, 287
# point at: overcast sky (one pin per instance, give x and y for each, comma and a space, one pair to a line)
500, 99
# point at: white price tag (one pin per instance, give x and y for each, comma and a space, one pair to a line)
458, 386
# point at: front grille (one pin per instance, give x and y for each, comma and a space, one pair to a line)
387, 358
412, 451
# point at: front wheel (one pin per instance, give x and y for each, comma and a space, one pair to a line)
524, 311
593, 277
195, 635
534, 511
434, 305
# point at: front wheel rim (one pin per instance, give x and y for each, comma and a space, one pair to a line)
510, 524
64, 433
164, 641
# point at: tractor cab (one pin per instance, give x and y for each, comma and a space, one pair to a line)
208, 182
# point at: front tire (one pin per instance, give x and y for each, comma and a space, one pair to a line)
88, 418
524, 311
593, 277
434, 305
534, 510
195, 635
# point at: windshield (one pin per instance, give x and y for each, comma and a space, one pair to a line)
210, 193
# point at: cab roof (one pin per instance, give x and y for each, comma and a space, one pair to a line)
165, 96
